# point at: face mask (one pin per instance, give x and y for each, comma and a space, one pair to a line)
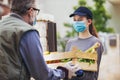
79, 26
35, 21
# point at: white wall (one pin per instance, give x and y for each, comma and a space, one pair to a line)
110, 62
114, 11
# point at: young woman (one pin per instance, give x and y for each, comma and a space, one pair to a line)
87, 37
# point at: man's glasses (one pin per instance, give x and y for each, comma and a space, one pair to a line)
37, 10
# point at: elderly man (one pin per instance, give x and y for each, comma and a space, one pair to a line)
21, 55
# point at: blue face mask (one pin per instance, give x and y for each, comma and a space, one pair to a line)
79, 26
34, 22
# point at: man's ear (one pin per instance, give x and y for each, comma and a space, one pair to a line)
30, 12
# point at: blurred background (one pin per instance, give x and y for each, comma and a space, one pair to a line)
55, 28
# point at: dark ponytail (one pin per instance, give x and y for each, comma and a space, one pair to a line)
93, 30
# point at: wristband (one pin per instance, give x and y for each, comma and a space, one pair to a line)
79, 73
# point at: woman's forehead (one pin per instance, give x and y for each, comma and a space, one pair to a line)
79, 17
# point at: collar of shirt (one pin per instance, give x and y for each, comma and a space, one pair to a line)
16, 15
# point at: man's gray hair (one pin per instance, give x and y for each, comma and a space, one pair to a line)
21, 6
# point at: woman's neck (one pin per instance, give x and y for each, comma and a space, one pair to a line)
85, 34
